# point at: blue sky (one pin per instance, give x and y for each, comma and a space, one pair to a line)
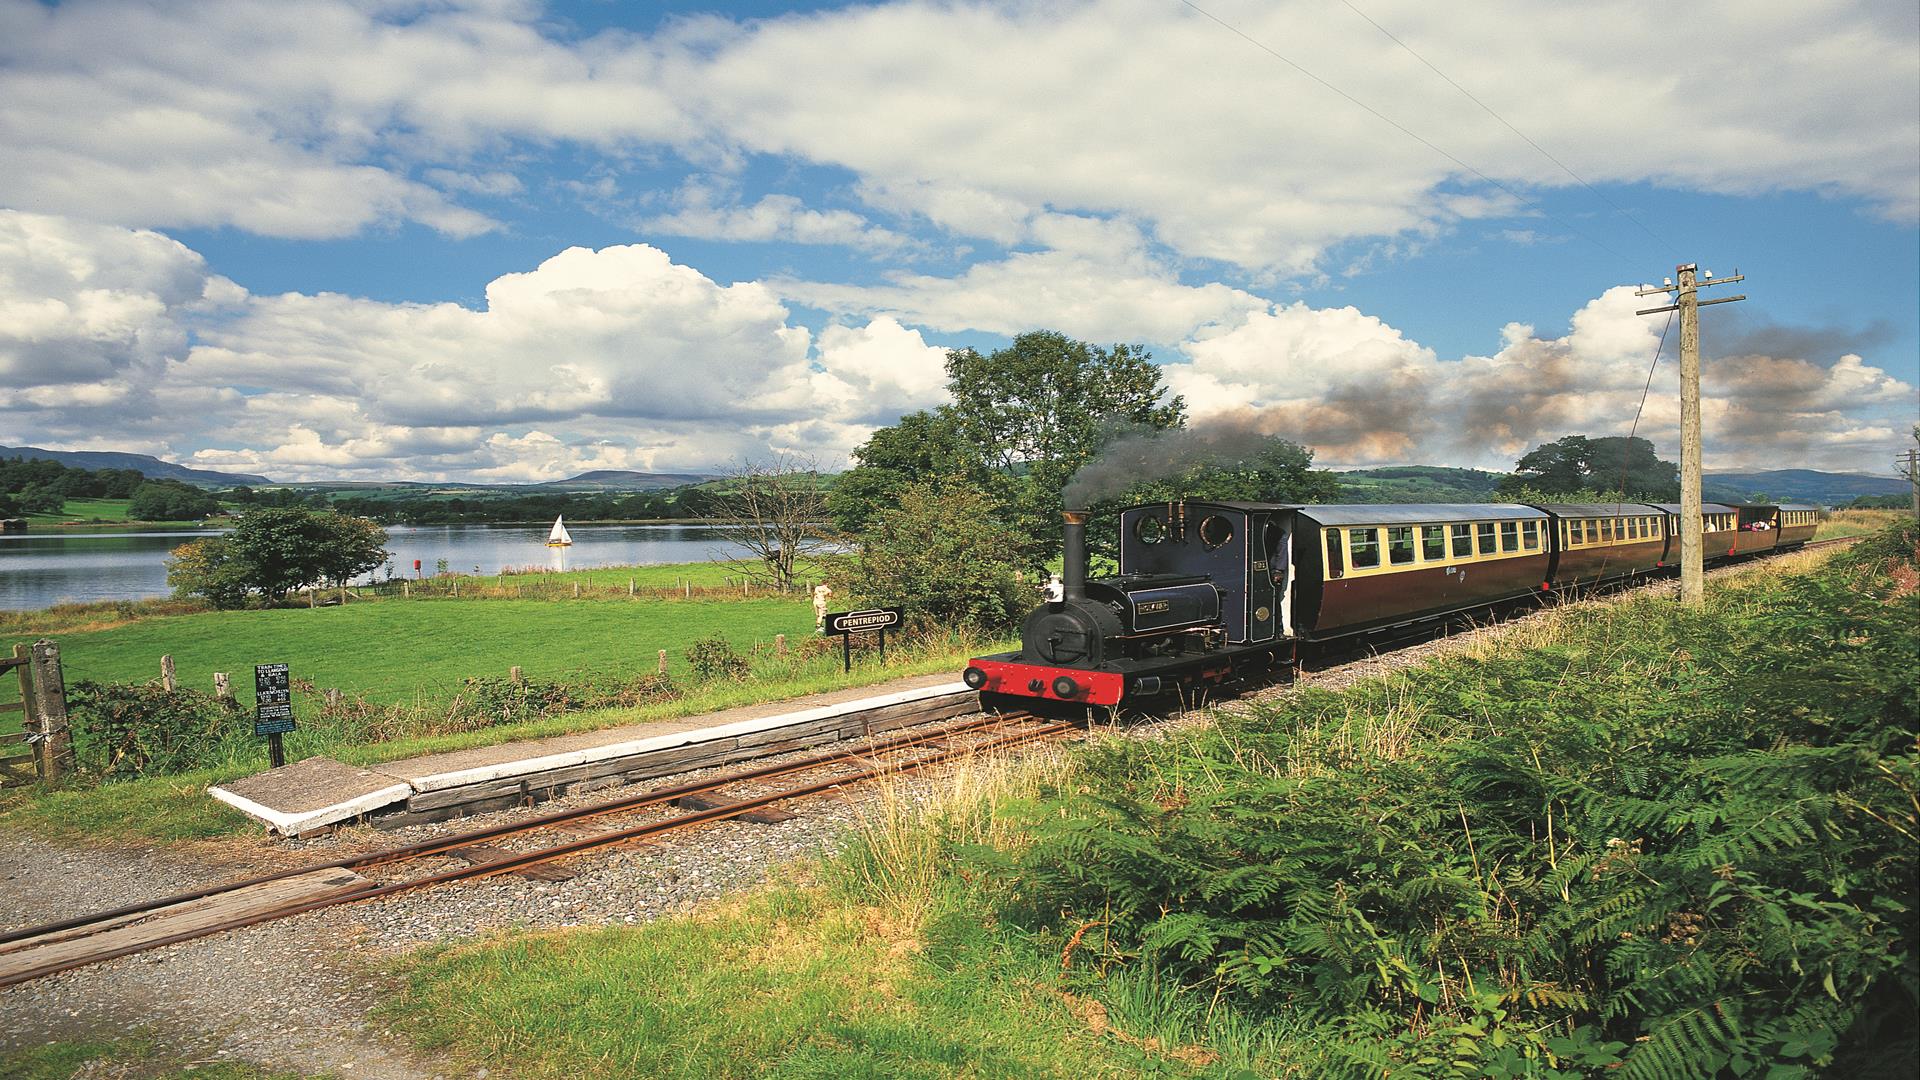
505, 240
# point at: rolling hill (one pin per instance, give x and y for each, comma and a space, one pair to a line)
144, 464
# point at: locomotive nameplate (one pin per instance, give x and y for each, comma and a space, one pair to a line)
1259, 565
1150, 606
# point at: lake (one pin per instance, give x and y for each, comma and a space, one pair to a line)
38, 570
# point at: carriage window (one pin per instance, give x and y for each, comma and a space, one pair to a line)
1215, 531
1591, 529
1509, 536
1606, 529
1336, 565
1530, 535
1365, 546
1149, 529
1400, 544
1486, 539
1463, 541
1433, 543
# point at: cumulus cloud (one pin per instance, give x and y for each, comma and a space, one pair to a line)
616, 358
1361, 393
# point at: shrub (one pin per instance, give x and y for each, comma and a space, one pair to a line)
209, 568
943, 557
140, 729
715, 658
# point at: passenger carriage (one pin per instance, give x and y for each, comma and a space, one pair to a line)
1366, 566
1599, 542
1756, 528
1716, 533
1796, 525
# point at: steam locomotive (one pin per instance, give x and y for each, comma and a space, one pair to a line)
1209, 591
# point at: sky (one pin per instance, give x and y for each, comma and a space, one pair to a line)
509, 241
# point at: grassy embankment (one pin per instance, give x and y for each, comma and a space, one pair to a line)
403, 665
1618, 839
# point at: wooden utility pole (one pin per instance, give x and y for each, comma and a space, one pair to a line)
1908, 463
1693, 583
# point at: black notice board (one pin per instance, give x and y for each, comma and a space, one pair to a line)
273, 699
860, 622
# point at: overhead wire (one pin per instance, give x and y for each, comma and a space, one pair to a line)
1404, 130
1528, 139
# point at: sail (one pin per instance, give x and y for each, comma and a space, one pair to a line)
559, 535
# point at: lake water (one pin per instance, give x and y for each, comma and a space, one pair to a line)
41, 569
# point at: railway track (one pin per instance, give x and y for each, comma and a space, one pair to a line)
39, 951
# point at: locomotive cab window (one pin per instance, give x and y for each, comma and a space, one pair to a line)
1336, 564
1149, 529
1463, 541
1433, 543
1215, 531
1509, 536
1364, 544
1400, 544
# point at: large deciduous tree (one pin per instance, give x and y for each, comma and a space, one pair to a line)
287, 548
1580, 463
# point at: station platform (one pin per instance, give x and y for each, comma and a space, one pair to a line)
308, 795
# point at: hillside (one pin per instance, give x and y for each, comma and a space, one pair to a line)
624, 480
1797, 485
143, 464
1418, 484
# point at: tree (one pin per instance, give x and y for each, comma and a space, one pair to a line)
1577, 463
166, 500
1034, 412
41, 499
777, 511
922, 447
939, 555
287, 548
212, 569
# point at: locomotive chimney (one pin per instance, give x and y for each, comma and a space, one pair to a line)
1073, 571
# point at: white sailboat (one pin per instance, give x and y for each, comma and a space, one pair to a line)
559, 536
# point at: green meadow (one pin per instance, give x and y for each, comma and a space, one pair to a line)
393, 650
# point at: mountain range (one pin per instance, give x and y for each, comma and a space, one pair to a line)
145, 465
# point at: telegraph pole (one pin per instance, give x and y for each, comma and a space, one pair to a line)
1693, 584
1908, 464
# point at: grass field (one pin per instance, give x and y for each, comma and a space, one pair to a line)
92, 513
394, 650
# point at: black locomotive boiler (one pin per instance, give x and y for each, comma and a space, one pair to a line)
1213, 590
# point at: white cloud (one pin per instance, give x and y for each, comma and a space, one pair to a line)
1361, 393
774, 217
1127, 299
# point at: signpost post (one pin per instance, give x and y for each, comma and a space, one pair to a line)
849, 623
273, 708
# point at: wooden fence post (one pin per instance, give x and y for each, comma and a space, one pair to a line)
780, 644
514, 675
222, 689
406, 590
576, 590
687, 584
50, 702
167, 682
663, 661
333, 697
629, 588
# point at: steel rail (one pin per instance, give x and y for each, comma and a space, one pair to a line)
522, 860
650, 797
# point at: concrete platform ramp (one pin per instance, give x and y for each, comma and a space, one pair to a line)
318, 792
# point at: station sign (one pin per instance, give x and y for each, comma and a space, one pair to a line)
862, 622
